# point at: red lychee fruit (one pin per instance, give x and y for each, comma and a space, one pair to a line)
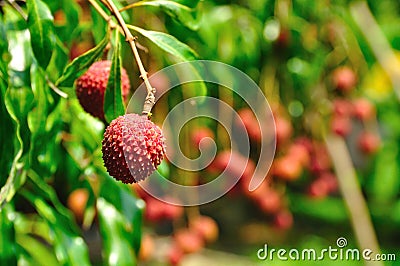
188, 240
344, 79
319, 188
369, 142
206, 227
77, 201
287, 168
90, 87
342, 107
175, 255
201, 133
363, 109
250, 122
133, 147
235, 164
341, 125
146, 247
283, 219
284, 130
154, 210
270, 202
299, 151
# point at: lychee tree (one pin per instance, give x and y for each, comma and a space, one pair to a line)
62, 83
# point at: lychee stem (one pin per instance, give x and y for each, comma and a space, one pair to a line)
150, 98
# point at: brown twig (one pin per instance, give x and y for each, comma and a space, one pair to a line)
150, 98
352, 195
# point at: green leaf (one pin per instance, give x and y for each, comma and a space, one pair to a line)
329, 209
127, 204
117, 245
69, 247
80, 64
181, 13
168, 43
189, 3
40, 22
113, 102
37, 250
7, 237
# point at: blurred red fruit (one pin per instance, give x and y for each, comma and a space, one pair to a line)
172, 212
363, 109
79, 48
188, 241
201, 133
283, 220
331, 180
146, 247
154, 210
270, 202
319, 188
251, 124
344, 78
299, 152
287, 168
284, 130
77, 201
320, 160
206, 227
236, 164
342, 107
368, 142
175, 255
341, 125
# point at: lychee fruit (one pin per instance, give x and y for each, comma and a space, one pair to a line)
369, 142
206, 227
250, 123
90, 87
344, 79
188, 240
287, 168
283, 220
146, 248
77, 201
363, 109
341, 125
132, 147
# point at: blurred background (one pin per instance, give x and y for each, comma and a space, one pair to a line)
331, 73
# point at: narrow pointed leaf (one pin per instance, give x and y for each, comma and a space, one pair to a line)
40, 22
185, 15
80, 64
113, 103
168, 43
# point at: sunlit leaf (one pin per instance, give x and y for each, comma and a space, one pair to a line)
116, 242
7, 237
80, 64
40, 23
168, 43
181, 13
113, 102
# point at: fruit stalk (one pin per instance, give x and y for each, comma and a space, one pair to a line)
352, 195
150, 98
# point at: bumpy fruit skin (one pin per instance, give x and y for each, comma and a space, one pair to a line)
132, 147
90, 87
